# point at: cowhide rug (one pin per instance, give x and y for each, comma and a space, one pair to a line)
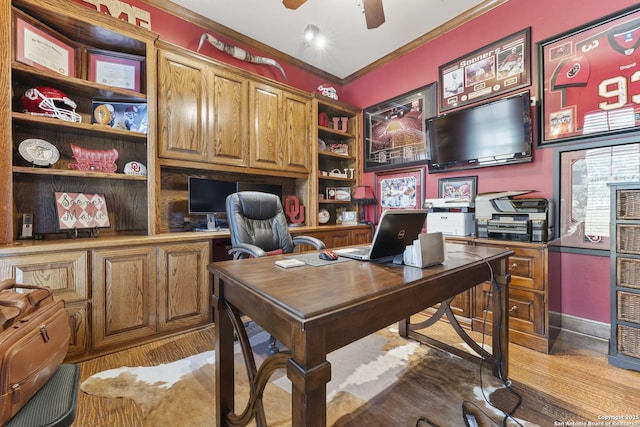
380, 380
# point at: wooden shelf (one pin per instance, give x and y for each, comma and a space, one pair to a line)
37, 121
77, 173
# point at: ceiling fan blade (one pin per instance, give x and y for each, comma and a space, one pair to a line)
293, 4
373, 13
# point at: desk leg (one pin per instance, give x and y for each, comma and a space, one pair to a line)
309, 385
224, 356
500, 327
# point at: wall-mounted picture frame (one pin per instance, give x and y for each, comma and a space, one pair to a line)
402, 189
493, 70
459, 188
586, 77
394, 130
121, 70
41, 47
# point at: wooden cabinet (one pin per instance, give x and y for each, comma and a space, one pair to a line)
202, 110
334, 237
336, 155
183, 131
184, 285
86, 171
279, 133
66, 274
528, 295
124, 295
624, 345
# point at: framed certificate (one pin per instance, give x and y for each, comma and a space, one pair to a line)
116, 69
42, 48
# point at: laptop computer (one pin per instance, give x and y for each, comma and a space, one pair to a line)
397, 228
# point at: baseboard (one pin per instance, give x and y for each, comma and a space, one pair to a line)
578, 325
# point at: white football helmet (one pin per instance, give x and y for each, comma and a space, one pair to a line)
328, 91
50, 102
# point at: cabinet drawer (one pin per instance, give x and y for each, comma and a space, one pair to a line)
526, 267
628, 341
628, 307
64, 272
628, 272
628, 239
526, 309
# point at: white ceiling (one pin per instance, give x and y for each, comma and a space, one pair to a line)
350, 45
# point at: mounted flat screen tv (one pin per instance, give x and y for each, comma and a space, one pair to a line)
497, 133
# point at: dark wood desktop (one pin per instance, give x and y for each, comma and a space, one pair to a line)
313, 311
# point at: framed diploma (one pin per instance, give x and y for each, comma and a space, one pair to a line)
116, 69
42, 48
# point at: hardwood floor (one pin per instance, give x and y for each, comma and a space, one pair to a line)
576, 373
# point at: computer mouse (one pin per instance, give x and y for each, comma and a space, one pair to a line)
328, 255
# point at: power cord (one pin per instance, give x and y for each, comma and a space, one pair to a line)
469, 418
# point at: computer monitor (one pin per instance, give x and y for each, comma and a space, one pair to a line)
207, 196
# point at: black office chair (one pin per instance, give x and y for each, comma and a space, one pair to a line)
258, 228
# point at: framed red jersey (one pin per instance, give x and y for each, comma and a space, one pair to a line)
590, 79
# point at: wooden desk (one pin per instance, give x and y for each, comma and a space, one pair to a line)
315, 310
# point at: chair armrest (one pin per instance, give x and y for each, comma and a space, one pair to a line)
244, 250
308, 240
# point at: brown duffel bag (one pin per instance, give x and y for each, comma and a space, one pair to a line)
34, 337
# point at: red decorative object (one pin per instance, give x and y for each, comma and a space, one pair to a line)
80, 210
344, 121
94, 160
294, 211
335, 123
323, 119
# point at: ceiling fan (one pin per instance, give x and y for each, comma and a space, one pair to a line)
373, 11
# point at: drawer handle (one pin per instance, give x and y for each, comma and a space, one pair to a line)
514, 266
513, 309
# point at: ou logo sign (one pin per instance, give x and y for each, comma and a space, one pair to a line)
401, 234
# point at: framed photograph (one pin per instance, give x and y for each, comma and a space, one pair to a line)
81, 210
116, 69
42, 48
588, 79
403, 189
460, 188
394, 130
130, 116
493, 70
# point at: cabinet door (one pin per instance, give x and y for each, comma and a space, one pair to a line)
184, 285
296, 132
124, 295
66, 274
266, 148
182, 107
229, 141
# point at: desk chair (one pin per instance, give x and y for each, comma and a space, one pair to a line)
258, 228
54, 404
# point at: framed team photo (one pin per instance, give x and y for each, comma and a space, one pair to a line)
395, 130
589, 79
493, 70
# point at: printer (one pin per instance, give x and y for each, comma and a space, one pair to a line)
501, 216
451, 217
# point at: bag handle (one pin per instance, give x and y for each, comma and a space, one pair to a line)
37, 294
7, 314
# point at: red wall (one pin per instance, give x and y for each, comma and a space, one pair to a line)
579, 284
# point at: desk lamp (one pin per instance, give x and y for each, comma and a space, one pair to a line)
364, 196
